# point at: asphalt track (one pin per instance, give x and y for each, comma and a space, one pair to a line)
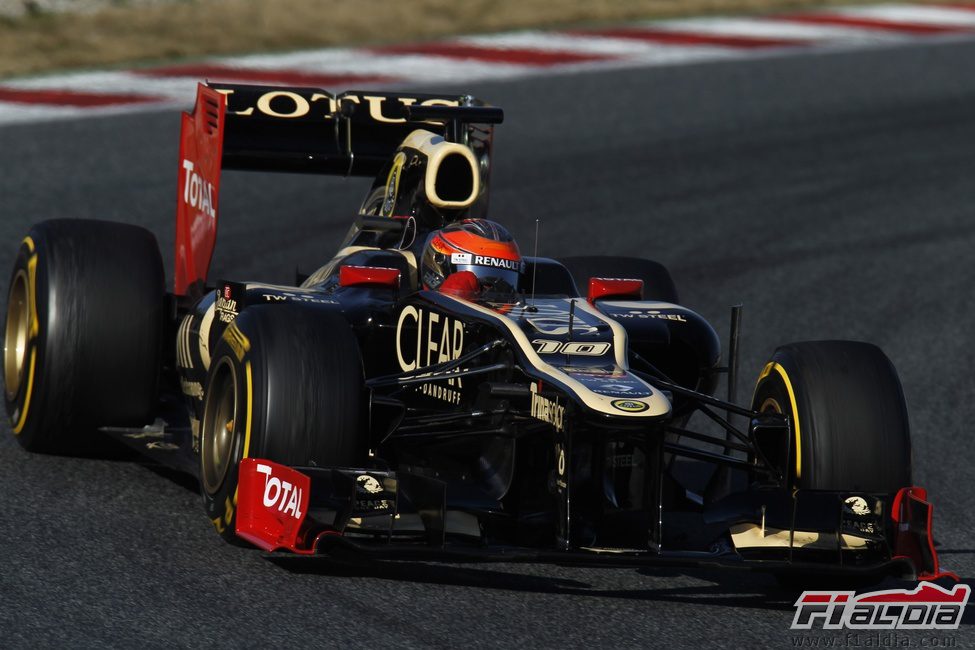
832, 194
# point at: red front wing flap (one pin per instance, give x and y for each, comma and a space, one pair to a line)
912, 513
272, 504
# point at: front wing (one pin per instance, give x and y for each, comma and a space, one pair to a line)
344, 513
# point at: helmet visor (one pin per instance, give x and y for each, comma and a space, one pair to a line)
492, 278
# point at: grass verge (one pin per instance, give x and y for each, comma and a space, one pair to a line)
194, 28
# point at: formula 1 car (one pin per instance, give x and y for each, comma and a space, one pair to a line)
360, 413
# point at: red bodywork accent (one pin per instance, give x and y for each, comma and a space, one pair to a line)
198, 188
272, 502
614, 288
354, 276
912, 513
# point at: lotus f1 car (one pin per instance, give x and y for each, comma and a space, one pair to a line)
362, 412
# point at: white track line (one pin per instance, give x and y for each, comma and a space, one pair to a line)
601, 45
918, 14
120, 82
418, 67
17, 113
780, 29
627, 51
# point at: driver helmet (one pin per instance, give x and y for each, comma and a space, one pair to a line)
472, 246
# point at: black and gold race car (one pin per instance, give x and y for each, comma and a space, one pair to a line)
506, 408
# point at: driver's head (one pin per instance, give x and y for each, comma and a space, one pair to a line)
477, 246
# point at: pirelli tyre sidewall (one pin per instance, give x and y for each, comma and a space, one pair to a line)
849, 418
285, 384
83, 333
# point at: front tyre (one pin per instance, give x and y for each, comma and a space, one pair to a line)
848, 413
285, 384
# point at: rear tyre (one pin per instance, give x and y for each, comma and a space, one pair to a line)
285, 384
83, 333
657, 283
848, 412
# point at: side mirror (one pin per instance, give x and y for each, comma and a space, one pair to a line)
354, 276
614, 288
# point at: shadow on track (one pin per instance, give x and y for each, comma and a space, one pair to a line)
733, 589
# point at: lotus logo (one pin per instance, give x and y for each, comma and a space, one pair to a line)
368, 484
629, 405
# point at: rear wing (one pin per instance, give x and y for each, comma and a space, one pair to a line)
298, 130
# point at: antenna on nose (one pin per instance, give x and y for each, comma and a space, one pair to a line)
534, 264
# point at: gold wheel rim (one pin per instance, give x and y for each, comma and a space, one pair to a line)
16, 335
219, 426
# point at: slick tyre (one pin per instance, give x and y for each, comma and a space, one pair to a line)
657, 283
285, 384
83, 333
848, 414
